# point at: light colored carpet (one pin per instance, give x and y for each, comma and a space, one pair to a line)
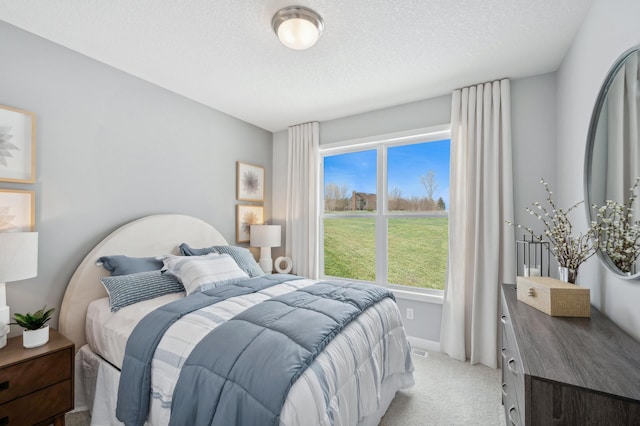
81, 418
446, 393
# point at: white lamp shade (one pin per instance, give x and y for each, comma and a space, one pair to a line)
265, 236
18, 256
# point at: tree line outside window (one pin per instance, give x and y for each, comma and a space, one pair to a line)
342, 198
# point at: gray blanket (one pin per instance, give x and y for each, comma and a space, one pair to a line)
241, 372
135, 378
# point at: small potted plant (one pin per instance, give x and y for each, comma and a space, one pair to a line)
36, 329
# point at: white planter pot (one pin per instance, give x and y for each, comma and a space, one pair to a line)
35, 338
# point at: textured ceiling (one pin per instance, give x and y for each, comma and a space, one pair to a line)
373, 53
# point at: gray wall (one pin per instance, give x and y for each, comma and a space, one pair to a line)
610, 28
533, 106
414, 115
533, 122
112, 148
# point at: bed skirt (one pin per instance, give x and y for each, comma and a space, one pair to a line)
96, 386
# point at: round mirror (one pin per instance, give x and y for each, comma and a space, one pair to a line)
612, 167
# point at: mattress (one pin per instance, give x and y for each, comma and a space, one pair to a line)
107, 332
351, 382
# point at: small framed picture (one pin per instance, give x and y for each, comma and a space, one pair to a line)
17, 212
17, 145
245, 217
249, 182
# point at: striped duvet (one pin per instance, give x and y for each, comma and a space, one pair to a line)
351, 382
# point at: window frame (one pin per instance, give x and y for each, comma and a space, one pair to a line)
382, 214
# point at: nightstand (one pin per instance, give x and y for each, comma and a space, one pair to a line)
36, 385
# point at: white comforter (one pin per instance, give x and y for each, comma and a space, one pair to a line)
351, 382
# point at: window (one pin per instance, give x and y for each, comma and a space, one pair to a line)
385, 210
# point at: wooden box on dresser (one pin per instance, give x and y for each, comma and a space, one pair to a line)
566, 371
36, 385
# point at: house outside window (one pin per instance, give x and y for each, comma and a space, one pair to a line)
385, 210
363, 201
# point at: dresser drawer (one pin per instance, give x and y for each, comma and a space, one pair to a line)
37, 373
512, 372
508, 335
514, 378
512, 409
38, 406
512, 388
512, 415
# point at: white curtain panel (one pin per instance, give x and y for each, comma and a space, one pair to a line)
302, 199
622, 114
481, 244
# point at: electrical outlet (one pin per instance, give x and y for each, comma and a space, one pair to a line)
410, 313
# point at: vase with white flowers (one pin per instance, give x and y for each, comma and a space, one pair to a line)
569, 250
619, 231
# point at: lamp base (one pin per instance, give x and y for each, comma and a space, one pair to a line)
266, 264
5, 316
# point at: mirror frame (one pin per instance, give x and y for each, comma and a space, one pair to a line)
595, 117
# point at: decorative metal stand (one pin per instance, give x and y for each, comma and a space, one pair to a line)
530, 259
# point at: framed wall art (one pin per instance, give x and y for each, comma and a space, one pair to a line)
17, 145
249, 182
245, 217
17, 212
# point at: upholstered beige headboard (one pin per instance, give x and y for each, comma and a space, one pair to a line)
149, 236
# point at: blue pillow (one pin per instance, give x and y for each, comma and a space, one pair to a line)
125, 290
125, 265
241, 255
188, 251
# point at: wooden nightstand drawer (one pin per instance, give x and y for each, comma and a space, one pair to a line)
25, 377
38, 406
36, 385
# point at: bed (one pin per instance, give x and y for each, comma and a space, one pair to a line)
351, 381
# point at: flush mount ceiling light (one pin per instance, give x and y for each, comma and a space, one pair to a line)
297, 27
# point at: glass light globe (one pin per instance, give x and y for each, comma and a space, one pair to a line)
298, 34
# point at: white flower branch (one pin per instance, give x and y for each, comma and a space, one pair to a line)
618, 232
568, 250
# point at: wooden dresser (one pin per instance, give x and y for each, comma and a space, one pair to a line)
36, 385
567, 371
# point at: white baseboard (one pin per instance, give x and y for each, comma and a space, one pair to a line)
423, 344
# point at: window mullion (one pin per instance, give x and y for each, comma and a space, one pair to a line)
321, 211
381, 221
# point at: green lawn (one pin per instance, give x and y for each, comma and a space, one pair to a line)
417, 250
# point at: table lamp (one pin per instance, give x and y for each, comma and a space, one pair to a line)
265, 237
18, 261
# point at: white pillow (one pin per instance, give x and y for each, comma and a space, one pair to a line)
201, 273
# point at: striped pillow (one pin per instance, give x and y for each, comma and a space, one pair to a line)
125, 290
201, 273
241, 255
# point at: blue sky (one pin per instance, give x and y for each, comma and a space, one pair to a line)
406, 164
